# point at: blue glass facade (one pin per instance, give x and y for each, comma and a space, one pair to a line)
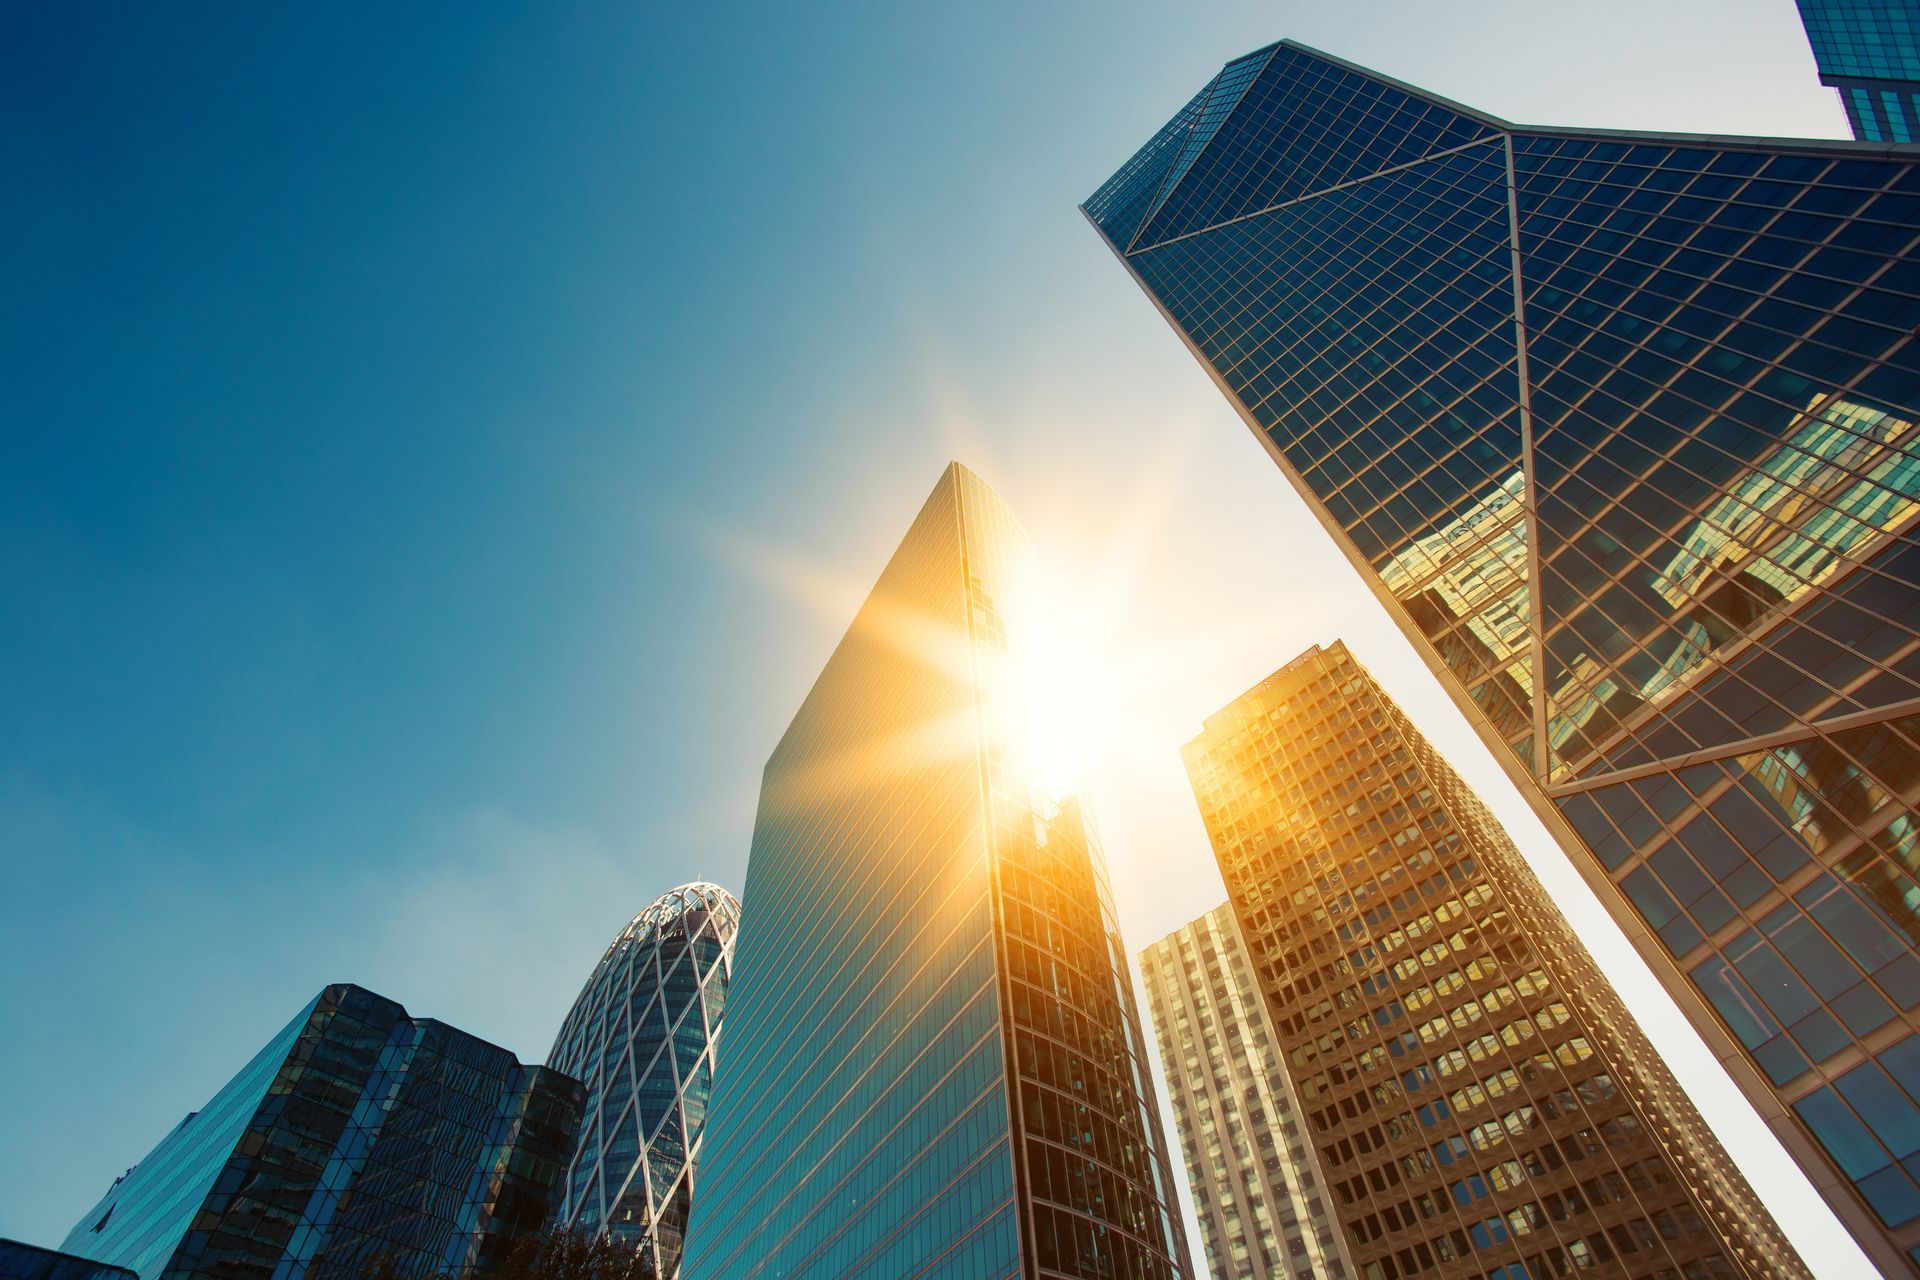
933, 1065
641, 1037
1621, 429
357, 1135
27, 1262
1869, 50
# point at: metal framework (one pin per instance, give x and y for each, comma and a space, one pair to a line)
1698, 358
642, 1037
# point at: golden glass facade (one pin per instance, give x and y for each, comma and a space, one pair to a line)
1480, 1102
1256, 1192
933, 1063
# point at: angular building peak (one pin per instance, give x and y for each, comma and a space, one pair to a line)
1624, 430
1221, 97
1122, 202
1275, 125
934, 1065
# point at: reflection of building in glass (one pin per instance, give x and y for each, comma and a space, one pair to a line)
1478, 1100
357, 1136
1261, 1205
1847, 477
1465, 587
641, 1037
933, 1064
1702, 355
1870, 51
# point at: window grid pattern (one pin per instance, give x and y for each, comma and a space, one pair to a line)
1097, 1169
1478, 1097
933, 1064
1869, 50
358, 1136
1868, 38
1274, 145
1878, 111
1680, 578
641, 1037
1221, 98
20, 1261
1259, 1199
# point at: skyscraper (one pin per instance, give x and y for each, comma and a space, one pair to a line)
357, 1135
641, 1038
1477, 1097
933, 1063
1869, 50
1620, 429
1256, 1190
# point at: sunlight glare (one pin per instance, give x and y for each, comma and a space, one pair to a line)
1061, 672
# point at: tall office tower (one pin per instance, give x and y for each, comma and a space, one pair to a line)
1620, 429
1869, 50
357, 1136
1261, 1203
933, 1064
641, 1038
1479, 1100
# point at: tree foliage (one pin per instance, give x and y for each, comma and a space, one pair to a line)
550, 1255
572, 1255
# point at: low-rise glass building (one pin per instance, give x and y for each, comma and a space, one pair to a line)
357, 1137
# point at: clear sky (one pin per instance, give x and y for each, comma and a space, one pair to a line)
440, 444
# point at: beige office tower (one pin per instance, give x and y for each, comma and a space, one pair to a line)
1261, 1206
1478, 1098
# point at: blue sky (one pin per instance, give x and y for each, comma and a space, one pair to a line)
440, 443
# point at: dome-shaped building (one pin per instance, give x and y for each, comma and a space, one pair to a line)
641, 1037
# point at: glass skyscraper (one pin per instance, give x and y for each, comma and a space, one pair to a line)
1477, 1099
933, 1065
1620, 429
1869, 50
1256, 1191
358, 1135
641, 1038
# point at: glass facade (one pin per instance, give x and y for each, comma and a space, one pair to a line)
933, 1066
1256, 1191
1620, 428
28, 1262
641, 1038
1869, 50
357, 1135
1478, 1100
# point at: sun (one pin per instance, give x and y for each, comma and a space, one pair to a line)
1062, 669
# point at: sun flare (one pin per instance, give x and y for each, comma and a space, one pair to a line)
1057, 665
